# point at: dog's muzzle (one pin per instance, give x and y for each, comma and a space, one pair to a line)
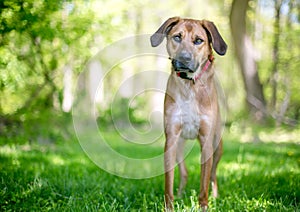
184, 63
182, 67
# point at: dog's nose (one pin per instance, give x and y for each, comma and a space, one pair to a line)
185, 57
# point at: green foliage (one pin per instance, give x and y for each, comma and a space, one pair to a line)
121, 112
41, 126
39, 38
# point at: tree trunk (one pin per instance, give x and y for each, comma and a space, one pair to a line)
274, 77
246, 59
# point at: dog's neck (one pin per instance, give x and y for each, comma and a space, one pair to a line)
197, 76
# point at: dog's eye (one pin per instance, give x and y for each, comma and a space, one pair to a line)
198, 41
177, 38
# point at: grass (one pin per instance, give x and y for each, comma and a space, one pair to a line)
261, 176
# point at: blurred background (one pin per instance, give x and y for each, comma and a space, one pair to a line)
45, 45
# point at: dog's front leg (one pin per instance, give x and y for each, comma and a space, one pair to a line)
206, 141
169, 162
206, 166
181, 165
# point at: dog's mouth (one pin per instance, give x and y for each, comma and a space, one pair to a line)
182, 67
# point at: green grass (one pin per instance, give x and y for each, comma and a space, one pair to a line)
60, 177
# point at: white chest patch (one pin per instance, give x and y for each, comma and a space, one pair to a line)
188, 116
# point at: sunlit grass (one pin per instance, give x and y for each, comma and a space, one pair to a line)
274, 135
60, 177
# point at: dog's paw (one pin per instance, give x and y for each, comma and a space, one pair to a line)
204, 208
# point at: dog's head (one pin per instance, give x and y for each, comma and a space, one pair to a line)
189, 42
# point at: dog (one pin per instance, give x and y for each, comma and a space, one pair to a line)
191, 104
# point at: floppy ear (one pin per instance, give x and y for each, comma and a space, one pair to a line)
163, 30
218, 43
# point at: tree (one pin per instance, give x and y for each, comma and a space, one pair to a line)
276, 28
37, 39
246, 60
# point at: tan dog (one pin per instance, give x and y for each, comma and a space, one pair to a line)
191, 107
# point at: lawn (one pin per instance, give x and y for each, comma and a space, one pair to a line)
59, 176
